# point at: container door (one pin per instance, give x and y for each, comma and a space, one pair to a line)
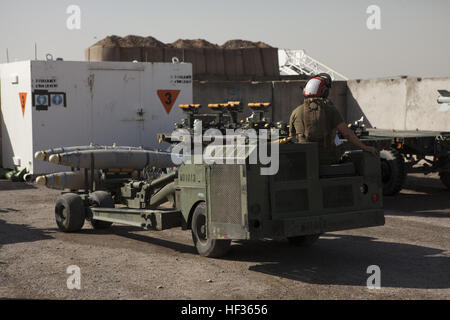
116, 111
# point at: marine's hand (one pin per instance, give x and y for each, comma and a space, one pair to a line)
372, 150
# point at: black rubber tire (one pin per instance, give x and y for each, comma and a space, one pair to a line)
101, 199
445, 178
393, 171
211, 248
70, 212
304, 241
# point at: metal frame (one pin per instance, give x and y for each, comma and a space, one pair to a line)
298, 62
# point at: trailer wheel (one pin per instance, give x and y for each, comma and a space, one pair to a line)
393, 171
101, 199
445, 178
304, 241
212, 248
69, 212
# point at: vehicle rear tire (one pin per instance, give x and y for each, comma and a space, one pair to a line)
445, 178
70, 212
101, 199
304, 241
393, 171
211, 248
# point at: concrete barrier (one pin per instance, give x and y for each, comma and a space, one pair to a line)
99, 53
422, 109
220, 60
338, 95
196, 56
260, 64
253, 65
285, 96
169, 53
153, 54
270, 61
210, 58
234, 64
190, 56
130, 54
402, 104
224, 91
200, 60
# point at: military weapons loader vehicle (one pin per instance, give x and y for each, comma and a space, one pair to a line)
221, 201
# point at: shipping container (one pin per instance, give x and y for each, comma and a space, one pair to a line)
47, 104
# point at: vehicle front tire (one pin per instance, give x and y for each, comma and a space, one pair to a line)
393, 171
70, 212
211, 248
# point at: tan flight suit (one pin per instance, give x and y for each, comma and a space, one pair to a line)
315, 121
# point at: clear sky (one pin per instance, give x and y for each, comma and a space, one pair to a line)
414, 38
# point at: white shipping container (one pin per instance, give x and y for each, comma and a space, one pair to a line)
48, 104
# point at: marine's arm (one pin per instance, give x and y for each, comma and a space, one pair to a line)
350, 136
292, 132
296, 125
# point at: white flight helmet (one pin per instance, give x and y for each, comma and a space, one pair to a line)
318, 87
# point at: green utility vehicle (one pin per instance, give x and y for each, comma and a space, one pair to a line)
224, 202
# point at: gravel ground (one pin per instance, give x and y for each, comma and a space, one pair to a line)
412, 250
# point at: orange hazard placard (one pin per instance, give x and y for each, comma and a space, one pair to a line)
168, 98
23, 101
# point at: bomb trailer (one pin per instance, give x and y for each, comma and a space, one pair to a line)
224, 202
407, 151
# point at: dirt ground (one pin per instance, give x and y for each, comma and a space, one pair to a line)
412, 251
